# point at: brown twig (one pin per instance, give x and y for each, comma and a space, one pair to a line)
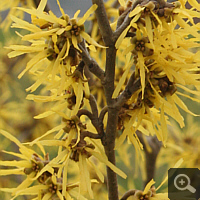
102, 114
93, 105
132, 86
103, 22
126, 22
128, 194
151, 156
111, 130
90, 135
91, 63
85, 112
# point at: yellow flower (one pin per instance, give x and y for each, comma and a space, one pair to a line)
73, 148
159, 42
30, 164
55, 42
150, 193
165, 64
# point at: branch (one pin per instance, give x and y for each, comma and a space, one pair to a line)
95, 120
102, 114
128, 194
126, 21
85, 112
103, 21
93, 105
90, 62
110, 74
151, 156
132, 86
90, 135
110, 136
101, 125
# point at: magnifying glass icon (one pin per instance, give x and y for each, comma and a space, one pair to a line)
182, 182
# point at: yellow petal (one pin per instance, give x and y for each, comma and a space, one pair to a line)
47, 196
87, 14
141, 67
47, 133
41, 6
122, 79
78, 90
98, 172
34, 190
182, 105
23, 24
136, 10
121, 37
14, 163
149, 29
90, 40
148, 186
4, 172
54, 39
122, 3
105, 161
76, 14
33, 61
194, 4
61, 10
11, 138
39, 35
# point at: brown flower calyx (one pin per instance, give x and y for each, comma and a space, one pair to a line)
52, 186
148, 98
122, 116
140, 46
164, 86
78, 75
70, 124
37, 164
75, 30
140, 196
71, 99
73, 123
79, 148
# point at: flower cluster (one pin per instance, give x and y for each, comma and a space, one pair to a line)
156, 61
158, 44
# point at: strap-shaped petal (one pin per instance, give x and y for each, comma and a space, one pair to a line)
87, 14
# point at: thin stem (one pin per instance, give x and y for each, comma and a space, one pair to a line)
102, 114
132, 86
90, 135
128, 194
126, 21
151, 156
93, 105
85, 112
101, 125
91, 63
